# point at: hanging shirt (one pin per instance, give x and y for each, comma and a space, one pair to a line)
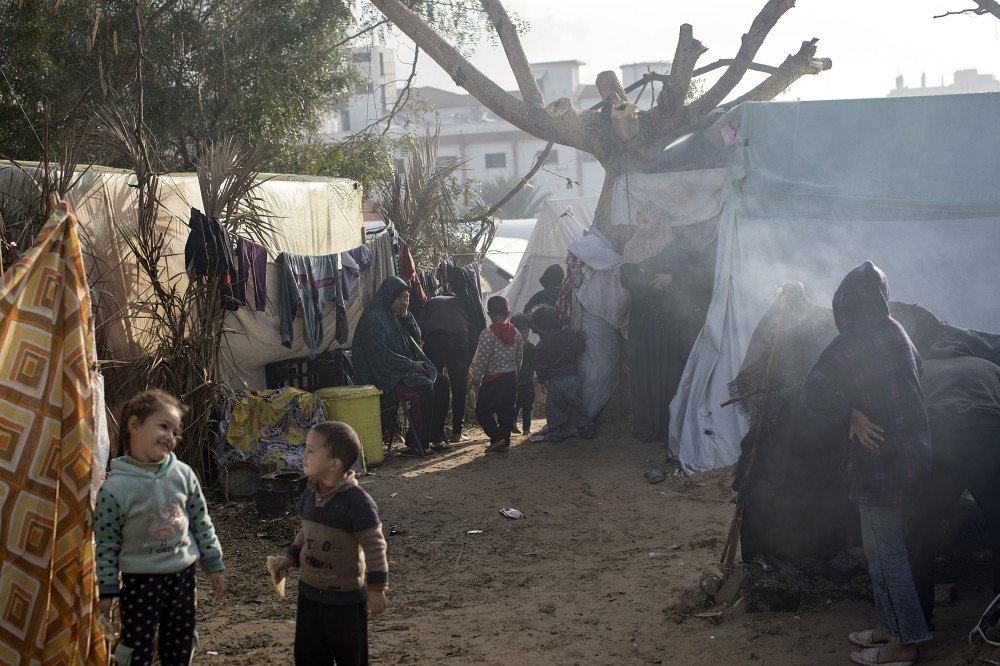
252, 261
311, 281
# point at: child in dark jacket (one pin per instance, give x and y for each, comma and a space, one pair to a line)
340, 550
556, 358
525, 375
494, 368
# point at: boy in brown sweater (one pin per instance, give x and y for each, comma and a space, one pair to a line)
494, 368
340, 550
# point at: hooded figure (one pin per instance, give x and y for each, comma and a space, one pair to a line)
868, 377
385, 349
873, 367
386, 354
551, 282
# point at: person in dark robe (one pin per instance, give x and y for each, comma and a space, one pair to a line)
669, 272
445, 325
551, 282
386, 354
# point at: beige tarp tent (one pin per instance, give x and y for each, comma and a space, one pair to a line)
311, 216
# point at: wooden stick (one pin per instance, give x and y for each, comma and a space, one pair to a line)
732, 539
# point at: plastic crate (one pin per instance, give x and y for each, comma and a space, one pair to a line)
306, 373
299, 373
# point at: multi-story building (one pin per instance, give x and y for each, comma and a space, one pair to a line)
966, 81
490, 147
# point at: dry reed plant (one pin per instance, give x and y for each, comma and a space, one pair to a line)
181, 317
435, 215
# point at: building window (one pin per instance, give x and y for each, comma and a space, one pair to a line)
447, 160
381, 64
345, 120
363, 56
552, 159
496, 160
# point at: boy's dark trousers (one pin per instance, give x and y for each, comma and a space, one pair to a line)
495, 407
326, 634
525, 401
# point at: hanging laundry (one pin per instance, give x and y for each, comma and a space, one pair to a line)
252, 262
349, 273
196, 256
208, 253
311, 282
408, 272
362, 255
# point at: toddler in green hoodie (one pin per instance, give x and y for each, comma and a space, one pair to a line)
151, 523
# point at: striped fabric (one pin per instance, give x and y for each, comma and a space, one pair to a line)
47, 578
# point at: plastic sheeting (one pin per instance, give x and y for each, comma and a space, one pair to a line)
311, 216
560, 223
828, 185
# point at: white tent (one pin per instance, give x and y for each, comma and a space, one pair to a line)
560, 223
817, 188
502, 259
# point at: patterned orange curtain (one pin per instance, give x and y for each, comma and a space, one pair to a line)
47, 576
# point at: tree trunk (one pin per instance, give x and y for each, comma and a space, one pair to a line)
641, 136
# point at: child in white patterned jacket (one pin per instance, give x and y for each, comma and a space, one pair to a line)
494, 368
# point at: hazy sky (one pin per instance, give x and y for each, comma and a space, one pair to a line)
871, 42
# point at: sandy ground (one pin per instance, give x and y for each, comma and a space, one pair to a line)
591, 575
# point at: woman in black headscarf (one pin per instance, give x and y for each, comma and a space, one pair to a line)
669, 272
387, 355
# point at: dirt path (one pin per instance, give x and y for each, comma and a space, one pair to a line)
588, 577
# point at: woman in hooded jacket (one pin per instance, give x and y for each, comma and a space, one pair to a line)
868, 380
387, 355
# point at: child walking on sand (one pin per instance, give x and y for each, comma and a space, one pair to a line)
525, 375
341, 552
151, 524
556, 358
494, 368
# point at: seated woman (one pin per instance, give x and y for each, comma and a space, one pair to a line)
387, 355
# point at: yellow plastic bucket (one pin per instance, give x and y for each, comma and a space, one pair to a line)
357, 406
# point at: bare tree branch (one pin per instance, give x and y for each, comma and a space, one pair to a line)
985, 7
507, 33
752, 41
529, 117
795, 66
674, 94
770, 69
539, 161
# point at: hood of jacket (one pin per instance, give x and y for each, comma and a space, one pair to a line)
504, 330
862, 298
553, 276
